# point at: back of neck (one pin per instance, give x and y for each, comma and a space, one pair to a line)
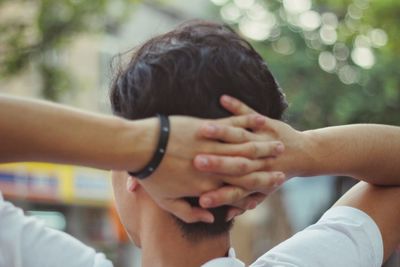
171, 249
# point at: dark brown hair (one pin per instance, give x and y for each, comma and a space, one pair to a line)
185, 72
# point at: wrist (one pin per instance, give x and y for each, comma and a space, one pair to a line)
136, 143
311, 152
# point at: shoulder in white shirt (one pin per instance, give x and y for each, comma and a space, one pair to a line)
343, 237
26, 242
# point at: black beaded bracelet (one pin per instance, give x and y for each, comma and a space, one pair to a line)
160, 151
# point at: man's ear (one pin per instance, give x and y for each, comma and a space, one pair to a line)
132, 184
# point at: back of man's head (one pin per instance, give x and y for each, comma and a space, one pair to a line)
185, 72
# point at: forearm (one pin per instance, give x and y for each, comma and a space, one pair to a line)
41, 131
366, 152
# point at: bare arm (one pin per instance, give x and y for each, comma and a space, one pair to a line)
32, 130
368, 152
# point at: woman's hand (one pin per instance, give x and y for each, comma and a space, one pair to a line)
235, 155
292, 162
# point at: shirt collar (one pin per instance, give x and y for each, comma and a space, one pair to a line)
230, 261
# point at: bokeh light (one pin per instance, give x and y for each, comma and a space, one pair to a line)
327, 61
257, 30
244, 3
341, 51
355, 12
363, 57
362, 41
219, 2
257, 12
297, 6
230, 12
378, 37
310, 20
284, 46
344, 44
330, 19
363, 4
348, 74
328, 35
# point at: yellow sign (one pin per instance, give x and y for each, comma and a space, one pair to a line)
55, 183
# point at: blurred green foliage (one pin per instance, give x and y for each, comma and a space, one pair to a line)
317, 97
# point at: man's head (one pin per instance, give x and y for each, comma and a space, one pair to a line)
185, 72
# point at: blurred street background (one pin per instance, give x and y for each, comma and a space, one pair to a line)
336, 60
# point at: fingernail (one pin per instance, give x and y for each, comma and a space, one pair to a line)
280, 179
211, 129
208, 219
231, 215
252, 205
226, 99
280, 176
260, 120
202, 161
279, 148
206, 202
129, 184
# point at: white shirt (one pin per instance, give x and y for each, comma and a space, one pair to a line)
229, 261
343, 237
26, 242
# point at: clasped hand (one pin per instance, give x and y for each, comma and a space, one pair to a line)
223, 162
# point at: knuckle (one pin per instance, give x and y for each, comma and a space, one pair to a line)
236, 194
254, 182
214, 163
232, 121
253, 150
242, 134
268, 164
221, 200
206, 186
249, 120
223, 131
243, 204
243, 167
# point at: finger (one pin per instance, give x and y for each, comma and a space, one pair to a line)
184, 211
233, 212
249, 121
227, 133
252, 150
235, 106
226, 195
264, 182
250, 202
235, 166
233, 195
